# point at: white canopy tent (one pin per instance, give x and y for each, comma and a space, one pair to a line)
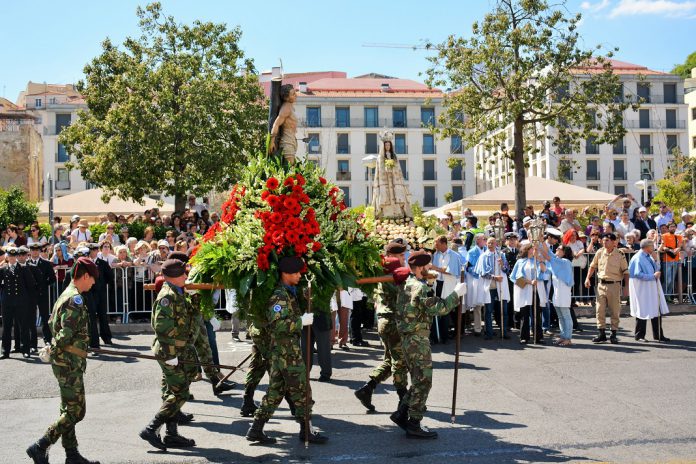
88, 203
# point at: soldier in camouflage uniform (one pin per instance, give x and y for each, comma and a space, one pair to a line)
70, 325
174, 323
385, 304
284, 322
417, 305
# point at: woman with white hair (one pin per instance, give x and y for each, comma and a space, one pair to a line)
130, 246
645, 292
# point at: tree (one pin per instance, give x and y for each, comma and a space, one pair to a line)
177, 110
522, 67
684, 70
15, 209
677, 188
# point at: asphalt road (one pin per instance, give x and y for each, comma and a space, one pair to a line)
632, 402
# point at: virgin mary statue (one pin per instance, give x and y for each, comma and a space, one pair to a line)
390, 197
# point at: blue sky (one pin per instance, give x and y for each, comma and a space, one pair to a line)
52, 41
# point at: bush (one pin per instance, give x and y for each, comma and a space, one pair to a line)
14, 209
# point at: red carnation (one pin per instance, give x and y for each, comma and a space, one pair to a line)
342, 206
272, 183
300, 179
316, 246
273, 201
293, 237
290, 203
297, 189
265, 194
262, 262
276, 218
278, 237
289, 182
301, 248
322, 180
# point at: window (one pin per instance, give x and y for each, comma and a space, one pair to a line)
670, 93
399, 117
562, 92
428, 116
342, 117
591, 148
53, 101
693, 142
619, 170
644, 92
457, 192
62, 155
400, 147
346, 195
592, 170
62, 179
343, 170
619, 190
313, 145
38, 103
62, 121
429, 170
371, 117
565, 169
619, 97
644, 119
371, 146
428, 144
457, 173
672, 143
593, 187
456, 146
429, 198
313, 116
619, 148
693, 114
671, 119
646, 169
342, 145
369, 173
646, 144
404, 171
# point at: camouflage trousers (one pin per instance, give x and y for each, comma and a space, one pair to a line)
419, 363
286, 377
393, 360
204, 353
72, 405
175, 384
259, 364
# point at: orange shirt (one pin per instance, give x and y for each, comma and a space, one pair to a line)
671, 241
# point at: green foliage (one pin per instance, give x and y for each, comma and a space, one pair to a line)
177, 109
96, 230
420, 220
518, 69
14, 209
448, 197
676, 194
454, 162
684, 69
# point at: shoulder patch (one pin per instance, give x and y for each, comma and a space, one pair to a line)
277, 308
164, 302
77, 299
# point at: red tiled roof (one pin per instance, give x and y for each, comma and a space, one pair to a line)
621, 68
370, 85
296, 78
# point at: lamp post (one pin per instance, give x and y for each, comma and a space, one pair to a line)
536, 233
499, 234
370, 161
643, 185
50, 200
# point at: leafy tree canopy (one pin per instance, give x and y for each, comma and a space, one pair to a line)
684, 69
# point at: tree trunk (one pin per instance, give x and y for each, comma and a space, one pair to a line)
518, 157
180, 202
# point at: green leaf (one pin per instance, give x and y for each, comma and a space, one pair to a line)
245, 284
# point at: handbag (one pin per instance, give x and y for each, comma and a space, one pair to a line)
521, 282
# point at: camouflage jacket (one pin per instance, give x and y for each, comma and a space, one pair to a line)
416, 306
385, 299
284, 315
69, 323
175, 322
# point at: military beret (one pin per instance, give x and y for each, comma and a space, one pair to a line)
88, 265
173, 268
23, 250
12, 251
180, 255
396, 248
36, 246
290, 264
609, 235
419, 259
391, 263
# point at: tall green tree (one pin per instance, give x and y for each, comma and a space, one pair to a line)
684, 69
523, 67
15, 209
176, 110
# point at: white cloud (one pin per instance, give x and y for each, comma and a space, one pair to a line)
595, 6
671, 8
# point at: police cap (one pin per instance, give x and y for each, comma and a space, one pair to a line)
12, 251
173, 268
36, 246
290, 264
419, 259
23, 250
92, 246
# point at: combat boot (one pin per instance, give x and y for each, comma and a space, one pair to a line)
219, 387
314, 436
291, 404
183, 418
601, 338
401, 392
172, 439
255, 433
248, 406
613, 338
364, 394
73, 456
38, 451
400, 416
151, 433
414, 429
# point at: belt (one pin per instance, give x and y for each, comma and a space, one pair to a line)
609, 282
76, 351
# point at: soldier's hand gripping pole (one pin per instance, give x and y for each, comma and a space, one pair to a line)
457, 343
308, 363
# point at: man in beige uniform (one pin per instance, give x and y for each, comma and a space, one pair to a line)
611, 267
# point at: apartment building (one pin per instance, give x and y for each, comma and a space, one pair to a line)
690, 100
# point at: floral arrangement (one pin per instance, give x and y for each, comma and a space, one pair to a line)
389, 164
277, 211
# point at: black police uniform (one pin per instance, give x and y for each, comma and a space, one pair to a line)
45, 277
98, 317
17, 285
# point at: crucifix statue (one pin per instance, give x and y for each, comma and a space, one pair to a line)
283, 124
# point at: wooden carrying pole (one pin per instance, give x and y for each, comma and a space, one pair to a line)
308, 363
203, 286
129, 354
458, 344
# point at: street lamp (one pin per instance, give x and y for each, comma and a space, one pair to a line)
370, 162
643, 185
50, 199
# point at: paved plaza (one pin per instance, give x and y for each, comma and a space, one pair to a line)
632, 402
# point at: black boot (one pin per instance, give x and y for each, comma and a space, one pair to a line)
38, 451
601, 338
255, 433
400, 416
414, 429
73, 456
183, 418
401, 392
248, 406
314, 436
151, 433
364, 394
172, 438
219, 387
291, 404
613, 338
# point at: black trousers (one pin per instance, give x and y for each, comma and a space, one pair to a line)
17, 316
526, 313
321, 339
43, 305
642, 326
98, 320
356, 320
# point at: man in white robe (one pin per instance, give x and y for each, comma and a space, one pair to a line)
645, 292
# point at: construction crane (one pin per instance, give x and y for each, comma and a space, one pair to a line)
394, 45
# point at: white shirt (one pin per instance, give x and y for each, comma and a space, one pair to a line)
346, 300
85, 236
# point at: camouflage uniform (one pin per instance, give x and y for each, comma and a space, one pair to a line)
70, 324
417, 306
393, 363
259, 364
175, 325
287, 368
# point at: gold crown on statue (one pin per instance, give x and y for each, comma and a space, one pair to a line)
386, 136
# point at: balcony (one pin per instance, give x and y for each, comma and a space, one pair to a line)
343, 175
429, 175
619, 150
401, 150
592, 175
592, 149
314, 149
429, 202
360, 123
647, 150
343, 149
620, 175
657, 99
633, 124
62, 185
371, 149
